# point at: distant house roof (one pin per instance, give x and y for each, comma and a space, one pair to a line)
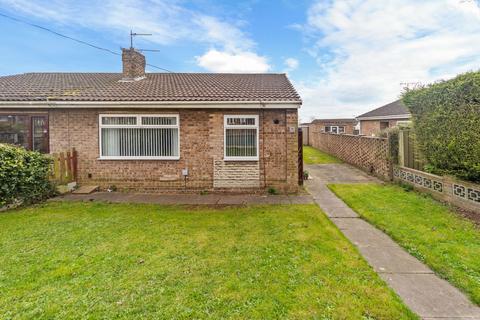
335, 120
109, 87
395, 109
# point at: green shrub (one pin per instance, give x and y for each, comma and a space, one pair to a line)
272, 191
23, 176
446, 119
392, 134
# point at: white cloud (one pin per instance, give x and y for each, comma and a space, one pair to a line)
167, 20
232, 50
291, 64
365, 49
221, 61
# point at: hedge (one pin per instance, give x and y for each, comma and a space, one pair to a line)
446, 118
23, 176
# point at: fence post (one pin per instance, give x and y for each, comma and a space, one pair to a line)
62, 167
390, 157
74, 163
401, 148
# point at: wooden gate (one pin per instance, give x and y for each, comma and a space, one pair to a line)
64, 166
409, 154
300, 157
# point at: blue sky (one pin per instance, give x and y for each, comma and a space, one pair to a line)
345, 57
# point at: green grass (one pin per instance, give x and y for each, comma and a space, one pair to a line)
447, 243
117, 261
315, 156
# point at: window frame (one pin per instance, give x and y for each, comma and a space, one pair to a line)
137, 125
227, 126
29, 124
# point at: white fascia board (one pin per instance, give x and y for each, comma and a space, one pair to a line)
153, 104
398, 116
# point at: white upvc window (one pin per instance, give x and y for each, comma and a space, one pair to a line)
335, 129
139, 136
241, 137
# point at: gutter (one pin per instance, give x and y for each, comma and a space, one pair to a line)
154, 104
397, 116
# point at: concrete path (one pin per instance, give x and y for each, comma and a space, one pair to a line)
421, 290
188, 199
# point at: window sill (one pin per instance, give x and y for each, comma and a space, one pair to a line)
240, 159
139, 158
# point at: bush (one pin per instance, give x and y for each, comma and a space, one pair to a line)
23, 176
392, 134
446, 119
272, 191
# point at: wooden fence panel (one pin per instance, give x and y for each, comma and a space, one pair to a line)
64, 167
409, 154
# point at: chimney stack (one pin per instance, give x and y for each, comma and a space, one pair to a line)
133, 64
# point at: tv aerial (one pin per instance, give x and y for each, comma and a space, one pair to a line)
134, 34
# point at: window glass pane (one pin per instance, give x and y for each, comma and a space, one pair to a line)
119, 120
39, 134
241, 142
241, 121
159, 121
15, 130
140, 142
327, 129
341, 129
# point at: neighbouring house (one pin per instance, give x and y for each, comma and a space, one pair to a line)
159, 131
336, 126
387, 116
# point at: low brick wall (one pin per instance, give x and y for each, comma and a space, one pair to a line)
462, 194
367, 153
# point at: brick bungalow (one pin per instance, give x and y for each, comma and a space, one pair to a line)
387, 116
160, 131
337, 126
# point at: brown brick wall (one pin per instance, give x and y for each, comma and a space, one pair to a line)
367, 153
201, 146
319, 125
372, 127
133, 63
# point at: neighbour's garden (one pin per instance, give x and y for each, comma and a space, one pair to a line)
429, 230
312, 155
63, 260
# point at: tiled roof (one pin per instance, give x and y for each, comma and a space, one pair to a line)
392, 109
155, 87
335, 120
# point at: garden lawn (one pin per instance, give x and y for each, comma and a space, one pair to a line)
447, 243
315, 156
114, 261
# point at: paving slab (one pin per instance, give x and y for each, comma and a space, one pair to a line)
369, 238
350, 223
422, 291
391, 260
85, 190
188, 199
431, 297
336, 172
338, 212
